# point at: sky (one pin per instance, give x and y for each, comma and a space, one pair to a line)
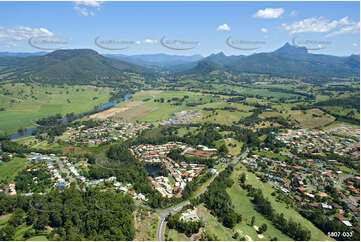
180, 28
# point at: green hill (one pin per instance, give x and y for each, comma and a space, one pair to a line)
78, 66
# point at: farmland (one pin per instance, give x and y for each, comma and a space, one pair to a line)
24, 104
245, 121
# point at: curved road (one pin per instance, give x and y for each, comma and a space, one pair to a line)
164, 213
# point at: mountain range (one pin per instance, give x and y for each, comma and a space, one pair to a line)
87, 66
78, 66
288, 61
157, 61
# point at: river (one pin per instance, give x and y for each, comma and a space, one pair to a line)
65, 120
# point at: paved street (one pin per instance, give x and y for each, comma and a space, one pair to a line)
164, 213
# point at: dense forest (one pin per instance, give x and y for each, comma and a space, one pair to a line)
72, 215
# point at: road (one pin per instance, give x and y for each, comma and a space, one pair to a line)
69, 177
164, 213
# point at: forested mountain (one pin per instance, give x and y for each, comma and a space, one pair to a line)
85, 66
78, 66
22, 54
157, 61
290, 60
287, 61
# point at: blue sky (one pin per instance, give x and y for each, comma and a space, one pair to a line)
334, 26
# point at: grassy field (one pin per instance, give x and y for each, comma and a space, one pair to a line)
224, 117
213, 226
38, 238
267, 93
176, 236
4, 219
311, 118
8, 170
279, 207
233, 150
148, 109
244, 206
151, 111
20, 231
350, 112
25, 104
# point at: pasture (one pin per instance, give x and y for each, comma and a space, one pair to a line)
24, 104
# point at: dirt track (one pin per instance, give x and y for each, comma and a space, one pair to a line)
110, 112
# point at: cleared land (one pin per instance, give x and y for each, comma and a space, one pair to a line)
24, 104
145, 222
8, 170
310, 118
244, 206
112, 111
279, 207
176, 236
213, 226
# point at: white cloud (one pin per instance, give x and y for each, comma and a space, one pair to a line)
264, 30
322, 25
354, 44
269, 13
223, 27
82, 11
89, 3
23, 33
149, 41
349, 29
10, 45
293, 13
146, 41
84, 7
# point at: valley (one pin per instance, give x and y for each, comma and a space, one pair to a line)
204, 154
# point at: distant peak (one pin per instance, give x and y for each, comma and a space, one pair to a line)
291, 49
220, 54
74, 51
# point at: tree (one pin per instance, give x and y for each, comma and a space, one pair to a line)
206, 236
31, 218
42, 222
7, 233
17, 218
253, 220
262, 229
236, 235
242, 178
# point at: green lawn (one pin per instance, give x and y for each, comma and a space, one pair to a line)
279, 207
4, 219
176, 236
213, 226
8, 170
244, 206
38, 238
20, 231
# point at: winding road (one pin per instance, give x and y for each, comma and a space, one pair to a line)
163, 213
